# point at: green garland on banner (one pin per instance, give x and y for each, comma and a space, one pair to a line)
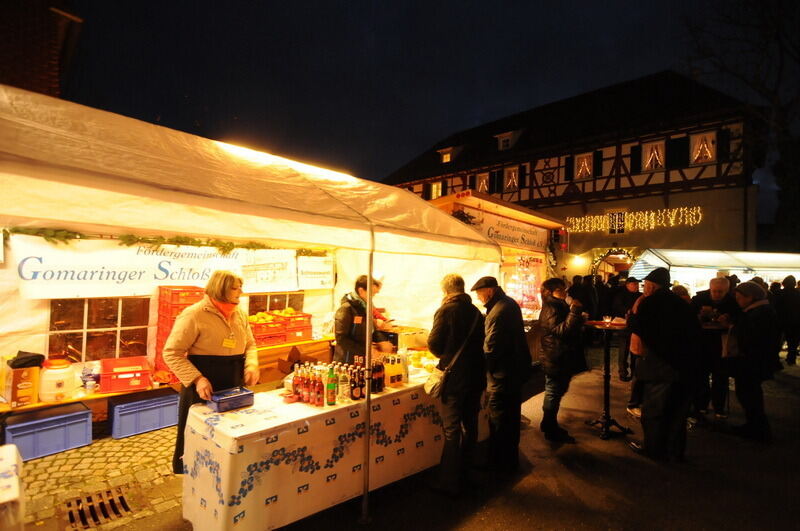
51, 235
57, 236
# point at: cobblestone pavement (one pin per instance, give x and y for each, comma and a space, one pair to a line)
728, 483
139, 465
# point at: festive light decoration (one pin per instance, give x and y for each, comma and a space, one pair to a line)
654, 159
584, 167
643, 220
702, 152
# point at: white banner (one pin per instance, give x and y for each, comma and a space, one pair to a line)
104, 268
275, 270
315, 272
508, 232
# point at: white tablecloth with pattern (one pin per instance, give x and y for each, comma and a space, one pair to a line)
274, 463
12, 501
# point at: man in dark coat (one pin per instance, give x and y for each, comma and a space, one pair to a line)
351, 325
508, 365
787, 304
561, 354
458, 329
669, 330
620, 307
757, 342
711, 306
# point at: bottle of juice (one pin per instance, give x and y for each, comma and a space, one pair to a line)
330, 388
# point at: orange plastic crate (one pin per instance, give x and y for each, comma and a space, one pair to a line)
298, 334
124, 374
168, 309
180, 294
274, 327
297, 320
266, 340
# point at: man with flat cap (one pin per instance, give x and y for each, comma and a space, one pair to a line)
669, 331
508, 364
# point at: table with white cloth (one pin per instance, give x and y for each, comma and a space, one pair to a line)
273, 463
12, 500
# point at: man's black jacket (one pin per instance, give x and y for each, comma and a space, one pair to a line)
505, 346
451, 324
562, 348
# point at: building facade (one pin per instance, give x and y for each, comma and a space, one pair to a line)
661, 161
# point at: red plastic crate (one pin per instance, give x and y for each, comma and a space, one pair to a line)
298, 334
266, 340
167, 309
124, 374
274, 327
180, 294
297, 320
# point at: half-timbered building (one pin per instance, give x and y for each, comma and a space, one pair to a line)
661, 161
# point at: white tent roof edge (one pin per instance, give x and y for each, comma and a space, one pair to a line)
80, 162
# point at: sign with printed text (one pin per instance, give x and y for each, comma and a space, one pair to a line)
276, 270
104, 268
508, 232
315, 272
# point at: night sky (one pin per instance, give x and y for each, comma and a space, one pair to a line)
358, 86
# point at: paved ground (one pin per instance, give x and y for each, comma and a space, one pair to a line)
594, 484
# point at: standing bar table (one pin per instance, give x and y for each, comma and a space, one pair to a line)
605, 420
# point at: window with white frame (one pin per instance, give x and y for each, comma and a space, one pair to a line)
93, 329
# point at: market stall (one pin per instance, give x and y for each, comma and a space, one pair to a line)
694, 269
274, 463
524, 239
103, 211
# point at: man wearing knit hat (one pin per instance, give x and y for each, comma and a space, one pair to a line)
669, 330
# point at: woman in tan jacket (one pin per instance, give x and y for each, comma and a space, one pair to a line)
210, 348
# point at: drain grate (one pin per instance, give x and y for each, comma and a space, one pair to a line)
92, 510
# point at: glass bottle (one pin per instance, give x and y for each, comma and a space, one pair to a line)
330, 388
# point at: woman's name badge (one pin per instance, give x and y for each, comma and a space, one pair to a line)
358, 319
228, 342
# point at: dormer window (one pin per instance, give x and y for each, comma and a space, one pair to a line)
447, 155
507, 140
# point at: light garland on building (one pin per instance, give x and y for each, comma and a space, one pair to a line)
642, 220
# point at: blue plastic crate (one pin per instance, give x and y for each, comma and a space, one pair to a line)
50, 431
142, 412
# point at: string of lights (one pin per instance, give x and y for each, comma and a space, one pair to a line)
641, 220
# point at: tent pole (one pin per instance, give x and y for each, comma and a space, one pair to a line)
368, 387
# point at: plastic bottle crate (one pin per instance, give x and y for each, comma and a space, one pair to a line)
266, 340
124, 374
180, 294
142, 412
170, 310
296, 320
298, 334
50, 431
274, 327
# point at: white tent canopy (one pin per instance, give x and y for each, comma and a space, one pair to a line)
694, 267
78, 168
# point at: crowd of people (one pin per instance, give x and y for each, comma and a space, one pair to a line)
678, 352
